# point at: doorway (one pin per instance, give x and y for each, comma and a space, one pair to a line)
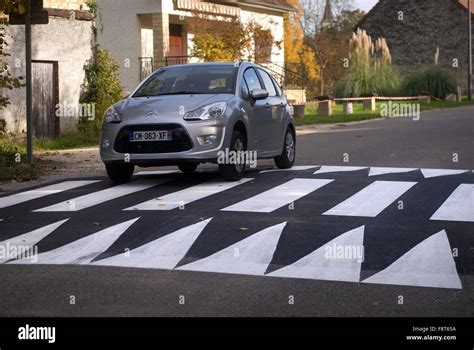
45, 97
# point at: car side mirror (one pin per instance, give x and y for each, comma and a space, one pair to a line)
259, 94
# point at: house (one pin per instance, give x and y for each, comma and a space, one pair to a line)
60, 50
418, 32
143, 35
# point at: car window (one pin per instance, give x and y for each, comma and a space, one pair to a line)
244, 90
204, 79
267, 80
251, 79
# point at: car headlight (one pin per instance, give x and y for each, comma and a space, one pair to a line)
112, 116
209, 112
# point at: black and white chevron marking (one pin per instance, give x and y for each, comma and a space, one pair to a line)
278, 224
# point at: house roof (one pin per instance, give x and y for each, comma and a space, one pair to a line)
463, 3
274, 4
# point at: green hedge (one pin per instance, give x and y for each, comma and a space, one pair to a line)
436, 81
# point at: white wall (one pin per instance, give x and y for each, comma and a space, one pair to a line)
121, 34
63, 40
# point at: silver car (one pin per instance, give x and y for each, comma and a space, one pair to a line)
199, 113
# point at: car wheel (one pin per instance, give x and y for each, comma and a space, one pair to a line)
287, 158
234, 172
120, 173
188, 168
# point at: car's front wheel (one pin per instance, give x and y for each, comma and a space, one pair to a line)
233, 171
287, 157
120, 173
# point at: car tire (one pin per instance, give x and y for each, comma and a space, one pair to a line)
234, 172
120, 173
287, 157
188, 168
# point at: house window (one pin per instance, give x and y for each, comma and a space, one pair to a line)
263, 46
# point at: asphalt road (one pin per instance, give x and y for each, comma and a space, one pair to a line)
260, 248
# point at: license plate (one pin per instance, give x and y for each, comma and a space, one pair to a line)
150, 136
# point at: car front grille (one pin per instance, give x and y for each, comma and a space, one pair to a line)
180, 141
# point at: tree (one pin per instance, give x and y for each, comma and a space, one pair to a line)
331, 48
229, 40
298, 55
7, 80
101, 83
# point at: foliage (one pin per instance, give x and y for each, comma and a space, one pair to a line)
217, 41
370, 69
330, 48
298, 55
436, 81
101, 83
7, 81
102, 88
229, 40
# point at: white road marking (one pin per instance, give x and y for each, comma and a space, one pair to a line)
336, 169
99, 197
279, 196
338, 260
428, 264
163, 253
42, 192
29, 239
372, 200
459, 206
250, 256
427, 173
84, 250
295, 168
375, 171
188, 195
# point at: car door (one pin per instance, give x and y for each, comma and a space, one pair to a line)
258, 111
275, 121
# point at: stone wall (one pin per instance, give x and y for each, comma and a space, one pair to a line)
65, 4
66, 41
414, 30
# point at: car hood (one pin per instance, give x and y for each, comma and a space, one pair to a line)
171, 105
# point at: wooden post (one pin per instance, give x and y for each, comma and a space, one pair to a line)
325, 108
369, 104
424, 99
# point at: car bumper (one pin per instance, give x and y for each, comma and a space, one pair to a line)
114, 148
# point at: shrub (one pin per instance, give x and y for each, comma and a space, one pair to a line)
436, 81
370, 69
101, 87
101, 83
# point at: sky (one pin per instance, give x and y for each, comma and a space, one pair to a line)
365, 5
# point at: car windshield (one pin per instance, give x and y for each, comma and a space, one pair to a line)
187, 80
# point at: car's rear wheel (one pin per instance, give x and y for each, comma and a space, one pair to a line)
120, 173
188, 168
287, 157
235, 171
